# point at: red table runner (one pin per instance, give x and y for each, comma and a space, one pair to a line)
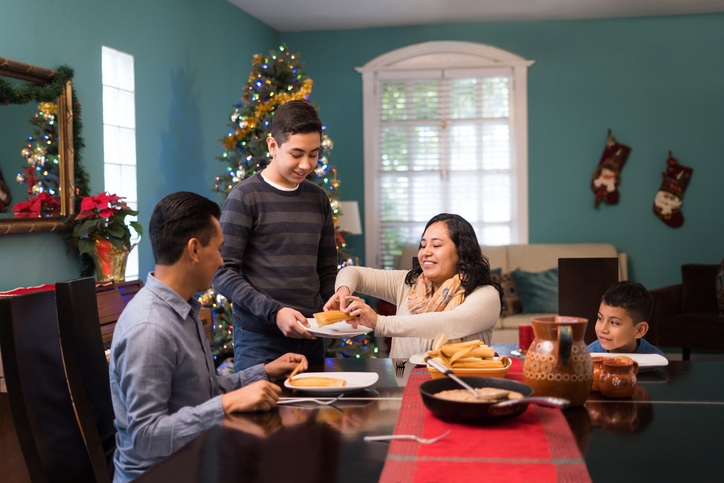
536, 446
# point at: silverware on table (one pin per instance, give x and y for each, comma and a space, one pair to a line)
400, 365
407, 436
319, 401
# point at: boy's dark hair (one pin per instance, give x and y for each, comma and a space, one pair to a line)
294, 117
175, 220
632, 297
473, 267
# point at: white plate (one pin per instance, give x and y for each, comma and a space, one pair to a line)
645, 361
355, 382
337, 330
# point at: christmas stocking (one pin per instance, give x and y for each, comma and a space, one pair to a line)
667, 204
607, 175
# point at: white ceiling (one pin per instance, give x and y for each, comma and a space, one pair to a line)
303, 15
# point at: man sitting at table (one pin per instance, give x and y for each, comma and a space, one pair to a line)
622, 322
163, 382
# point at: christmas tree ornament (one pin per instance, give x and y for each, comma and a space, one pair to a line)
607, 175
667, 203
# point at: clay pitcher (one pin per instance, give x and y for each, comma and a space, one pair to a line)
558, 363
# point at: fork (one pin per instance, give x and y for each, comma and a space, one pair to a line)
327, 402
400, 367
407, 436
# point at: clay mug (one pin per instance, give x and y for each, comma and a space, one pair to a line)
635, 364
618, 377
558, 363
597, 362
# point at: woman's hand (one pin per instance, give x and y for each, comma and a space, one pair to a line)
337, 301
360, 313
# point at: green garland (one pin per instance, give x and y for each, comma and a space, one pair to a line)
30, 92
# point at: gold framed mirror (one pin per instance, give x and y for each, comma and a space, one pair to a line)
66, 153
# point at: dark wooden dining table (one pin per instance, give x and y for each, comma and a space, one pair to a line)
670, 430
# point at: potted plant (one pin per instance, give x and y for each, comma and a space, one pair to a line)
102, 232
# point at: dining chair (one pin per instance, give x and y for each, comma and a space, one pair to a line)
40, 402
86, 368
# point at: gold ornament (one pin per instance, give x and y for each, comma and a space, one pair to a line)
48, 108
263, 109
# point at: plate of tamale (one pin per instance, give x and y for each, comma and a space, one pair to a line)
331, 382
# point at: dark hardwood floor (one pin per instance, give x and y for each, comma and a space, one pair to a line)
12, 465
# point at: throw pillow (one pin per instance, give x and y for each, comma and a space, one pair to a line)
511, 299
538, 290
698, 292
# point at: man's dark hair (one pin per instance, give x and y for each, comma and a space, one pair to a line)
294, 117
473, 267
175, 220
632, 297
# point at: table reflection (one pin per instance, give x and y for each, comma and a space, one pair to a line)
346, 417
620, 415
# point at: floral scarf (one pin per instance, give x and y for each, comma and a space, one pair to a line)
447, 297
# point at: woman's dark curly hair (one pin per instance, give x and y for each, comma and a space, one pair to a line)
473, 267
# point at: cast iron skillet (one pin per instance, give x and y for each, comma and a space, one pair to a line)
479, 412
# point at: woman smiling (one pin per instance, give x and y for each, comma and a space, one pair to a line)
449, 292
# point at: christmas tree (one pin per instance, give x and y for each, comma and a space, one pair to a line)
41, 175
275, 78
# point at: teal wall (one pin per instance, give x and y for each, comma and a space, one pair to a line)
191, 59
656, 82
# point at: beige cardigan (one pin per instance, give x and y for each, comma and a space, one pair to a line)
414, 333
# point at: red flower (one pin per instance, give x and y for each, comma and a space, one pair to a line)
102, 205
38, 206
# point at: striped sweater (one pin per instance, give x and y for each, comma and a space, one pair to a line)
279, 251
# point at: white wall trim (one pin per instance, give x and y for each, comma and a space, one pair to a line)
443, 55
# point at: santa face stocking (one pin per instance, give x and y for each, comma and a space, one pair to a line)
607, 175
667, 204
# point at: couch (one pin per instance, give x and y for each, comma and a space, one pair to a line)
534, 268
687, 315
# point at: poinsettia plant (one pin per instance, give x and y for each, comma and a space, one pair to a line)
40, 206
103, 216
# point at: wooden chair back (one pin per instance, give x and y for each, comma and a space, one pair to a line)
40, 401
87, 371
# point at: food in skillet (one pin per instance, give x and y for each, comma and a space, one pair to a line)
487, 395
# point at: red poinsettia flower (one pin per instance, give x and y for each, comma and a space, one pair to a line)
103, 205
43, 205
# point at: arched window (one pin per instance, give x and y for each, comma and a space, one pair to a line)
445, 130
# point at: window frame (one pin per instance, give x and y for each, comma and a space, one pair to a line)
120, 167
439, 56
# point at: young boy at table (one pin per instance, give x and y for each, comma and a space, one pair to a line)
280, 256
622, 322
164, 386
